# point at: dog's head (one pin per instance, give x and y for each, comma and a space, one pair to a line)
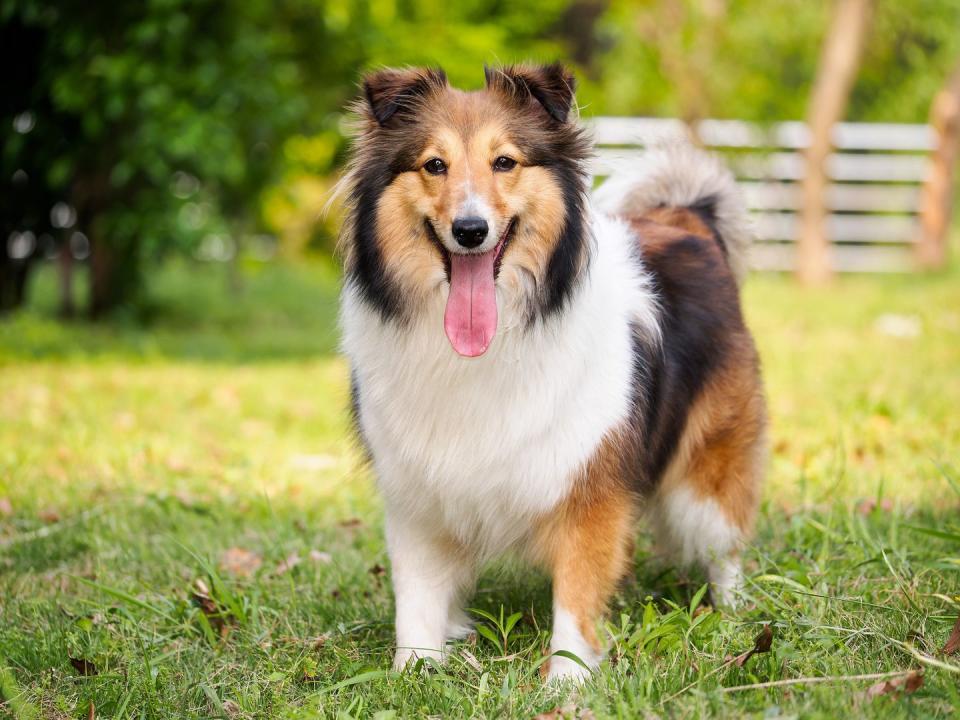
472, 197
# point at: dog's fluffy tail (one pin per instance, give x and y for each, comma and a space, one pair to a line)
682, 176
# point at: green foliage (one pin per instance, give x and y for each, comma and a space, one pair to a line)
159, 122
756, 60
910, 51
173, 123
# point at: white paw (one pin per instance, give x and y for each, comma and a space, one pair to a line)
563, 669
459, 626
726, 583
725, 598
407, 657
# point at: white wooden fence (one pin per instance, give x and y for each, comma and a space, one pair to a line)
876, 175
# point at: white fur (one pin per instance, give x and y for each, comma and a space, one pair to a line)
726, 581
429, 583
567, 636
681, 175
469, 453
694, 529
480, 447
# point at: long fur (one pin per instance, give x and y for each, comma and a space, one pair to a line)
680, 175
620, 375
486, 445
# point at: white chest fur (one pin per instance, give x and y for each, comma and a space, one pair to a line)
484, 445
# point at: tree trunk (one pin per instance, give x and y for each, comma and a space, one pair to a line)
114, 275
836, 72
65, 273
14, 275
932, 241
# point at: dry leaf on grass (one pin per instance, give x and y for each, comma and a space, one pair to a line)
378, 571
351, 524
471, 660
909, 683
953, 642
201, 597
318, 556
240, 562
866, 507
312, 462
83, 666
208, 606
49, 515
558, 713
762, 644
569, 711
288, 563
176, 464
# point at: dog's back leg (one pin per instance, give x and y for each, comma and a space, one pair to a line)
703, 511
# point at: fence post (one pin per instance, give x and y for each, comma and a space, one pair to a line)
935, 210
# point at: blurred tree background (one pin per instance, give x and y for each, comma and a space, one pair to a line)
213, 129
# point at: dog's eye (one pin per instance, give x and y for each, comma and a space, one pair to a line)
435, 166
504, 164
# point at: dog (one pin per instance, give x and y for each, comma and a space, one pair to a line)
534, 367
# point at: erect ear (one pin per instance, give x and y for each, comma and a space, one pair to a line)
550, 85
389, 91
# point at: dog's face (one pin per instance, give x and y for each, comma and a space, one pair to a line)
469, 195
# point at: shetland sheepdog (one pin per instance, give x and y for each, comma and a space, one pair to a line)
535, 368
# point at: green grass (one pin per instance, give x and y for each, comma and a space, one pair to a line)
134, 455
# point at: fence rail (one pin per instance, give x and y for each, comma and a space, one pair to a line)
876, 173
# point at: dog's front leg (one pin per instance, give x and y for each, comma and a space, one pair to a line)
431, 574
587, 546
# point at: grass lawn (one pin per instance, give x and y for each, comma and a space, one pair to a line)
185, 530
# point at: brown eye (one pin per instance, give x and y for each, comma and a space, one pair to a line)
435, 166
504, 164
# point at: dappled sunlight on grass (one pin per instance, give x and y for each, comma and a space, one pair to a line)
857, 411
96, 430
186, 526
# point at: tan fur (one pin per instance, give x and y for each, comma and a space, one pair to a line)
467, 131
680, 219
540, 202
413, 261
587, 543
721, 451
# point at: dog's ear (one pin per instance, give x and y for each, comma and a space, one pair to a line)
389, 92
552, 86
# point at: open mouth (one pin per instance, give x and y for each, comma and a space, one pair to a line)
470, 319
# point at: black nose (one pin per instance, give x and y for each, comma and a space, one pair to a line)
470, 232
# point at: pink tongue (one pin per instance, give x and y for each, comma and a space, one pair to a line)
471, 316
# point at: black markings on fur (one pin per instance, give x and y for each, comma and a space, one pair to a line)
552, 86
564, 269
394, 152
392, 94
438, 244
700, 320
705, 209
355, 418
368, 269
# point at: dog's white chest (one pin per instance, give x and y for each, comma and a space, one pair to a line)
485, 445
